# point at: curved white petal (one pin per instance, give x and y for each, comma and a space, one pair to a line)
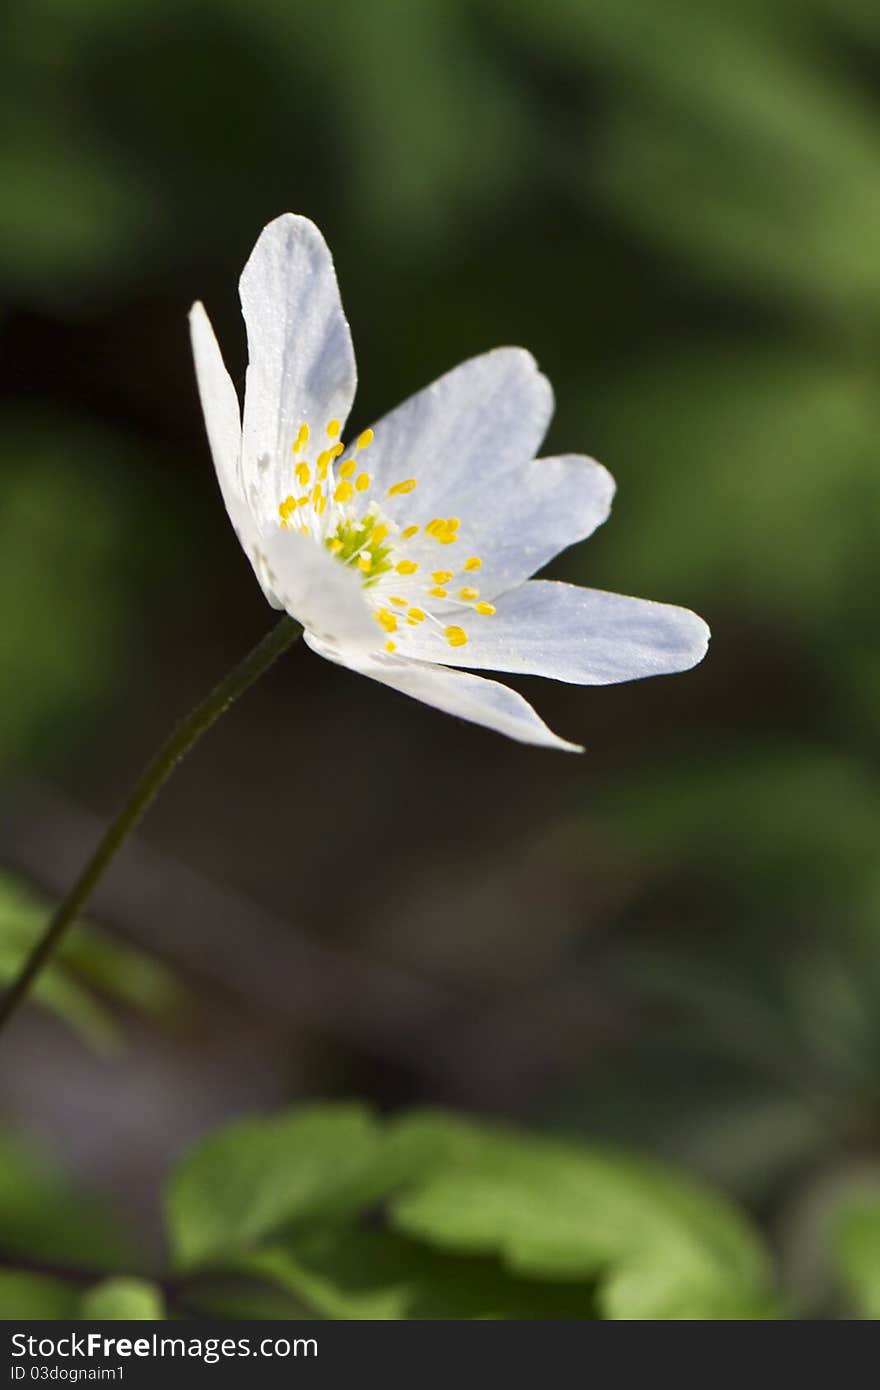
325, 596
223, 425
516, 524
474, 698
483, 418
301, 361
583, 636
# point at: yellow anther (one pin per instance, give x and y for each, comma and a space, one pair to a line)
286, 507
362, 482
486, 608
378, 534
455, 636
399, 489
321, 505
444, 531
437, 593
407, 567
347, 469
304, 531
317, 494
333, 428
302, 438
365, 439
337, 450
408, 533
415, 615
303, 474
442, 576
323, 464
386, 620
401, 602
304, 500
344, 493
336, 545
474, 563
390, 646
468, 594
365, 563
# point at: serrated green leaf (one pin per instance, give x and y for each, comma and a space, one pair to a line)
857, 1249
122, 1299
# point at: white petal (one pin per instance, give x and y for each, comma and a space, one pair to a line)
223, 424
301, 361
324, 595
480, 420
584, 636
517, 524
473, 698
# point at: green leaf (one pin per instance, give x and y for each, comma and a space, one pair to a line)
485, 1223
350, 1273
857, 1248
262, 1175
659, 1245
122, 1298
24, 1295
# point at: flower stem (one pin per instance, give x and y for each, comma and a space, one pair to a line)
188, 731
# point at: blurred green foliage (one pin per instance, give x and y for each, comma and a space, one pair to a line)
429, 1217
677, 208
90, 975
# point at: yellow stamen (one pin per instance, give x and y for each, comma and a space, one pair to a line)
398, 489
323, 464
401, 602
442, 576
390, 646
336, 545
485, 608
337, 450
408, 533
468, 594
362, 482
386, 620
303, 474
437, 593
365, 439
474, 563
415, 615
347, 469
365, 563
317, 494
455, 636
333, 428
407, 567
378, 534
344, 493
302, 438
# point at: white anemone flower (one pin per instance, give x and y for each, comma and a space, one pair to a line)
406, 554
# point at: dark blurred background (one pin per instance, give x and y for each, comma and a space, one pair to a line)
674, 940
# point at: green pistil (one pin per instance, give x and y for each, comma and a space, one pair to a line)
353, 538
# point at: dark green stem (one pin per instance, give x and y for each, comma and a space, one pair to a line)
145, 789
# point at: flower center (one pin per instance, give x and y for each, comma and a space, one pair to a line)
403, 590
